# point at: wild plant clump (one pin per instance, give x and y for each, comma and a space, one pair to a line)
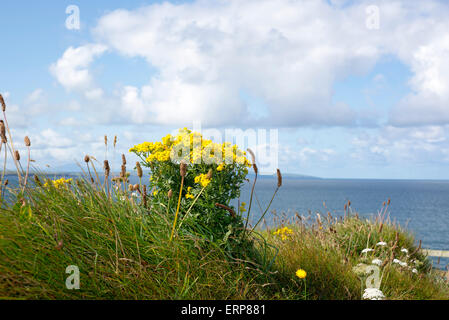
199, 178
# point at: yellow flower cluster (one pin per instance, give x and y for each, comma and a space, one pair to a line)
242, 207
58, 183
198, 148
203, 180
301, 274
189, 195
283, 232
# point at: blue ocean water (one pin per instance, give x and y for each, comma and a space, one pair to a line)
420, 206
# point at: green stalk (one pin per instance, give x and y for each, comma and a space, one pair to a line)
266, 210
177, 209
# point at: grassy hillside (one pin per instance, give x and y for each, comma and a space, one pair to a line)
123, 251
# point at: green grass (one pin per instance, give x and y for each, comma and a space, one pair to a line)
123, 251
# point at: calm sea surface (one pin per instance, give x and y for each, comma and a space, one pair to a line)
420, 206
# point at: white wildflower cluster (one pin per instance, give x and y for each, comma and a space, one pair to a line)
399, 262
378, 257
377, 262
373, 294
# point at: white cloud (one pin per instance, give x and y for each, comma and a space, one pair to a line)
287, 54
428, 103
35, 96
409, 145
71, 70
206, 53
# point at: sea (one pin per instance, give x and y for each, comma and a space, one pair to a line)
419, 206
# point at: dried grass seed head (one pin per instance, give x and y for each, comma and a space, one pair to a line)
107, 169
27, 141
209, 174
3, 132
139, 169
183, 169
2, 101
253, 156
279, 178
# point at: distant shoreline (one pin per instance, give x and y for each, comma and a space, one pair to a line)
287, 176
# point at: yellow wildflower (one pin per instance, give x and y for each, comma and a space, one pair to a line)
203, 180
301, 274
59, 183
283, 233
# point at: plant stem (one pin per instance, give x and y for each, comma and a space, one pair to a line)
266, 210
177, 209
249, 207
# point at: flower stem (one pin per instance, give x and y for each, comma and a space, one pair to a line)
177, 209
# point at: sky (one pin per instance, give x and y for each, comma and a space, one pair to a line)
354, 89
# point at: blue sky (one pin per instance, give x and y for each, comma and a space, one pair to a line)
348, 100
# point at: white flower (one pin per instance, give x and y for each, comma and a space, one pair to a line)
381, 243
414, 270
399, 262
404, 250
373, 294
377, 262
134, 194
367, 250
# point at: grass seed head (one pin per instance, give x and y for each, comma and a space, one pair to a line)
139, 169
3, 132
2, 103
115, 141
86, 158
170, 194
183, 169
27, 141
123, 160
37, 180
106, 140
209, 174
17, 155
253, 160
279, 178
107, 169
253, 156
